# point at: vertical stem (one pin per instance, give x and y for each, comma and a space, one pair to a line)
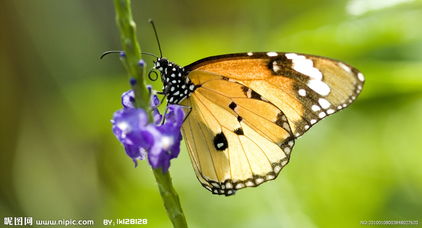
132, 50
170, 198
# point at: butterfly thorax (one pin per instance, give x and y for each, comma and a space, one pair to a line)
177, 86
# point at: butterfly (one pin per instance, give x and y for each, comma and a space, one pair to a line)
247, 110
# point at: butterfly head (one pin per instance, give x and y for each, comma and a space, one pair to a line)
177, 85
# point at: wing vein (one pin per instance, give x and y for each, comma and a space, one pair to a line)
203, 134
194, 144
231, 98
228, 159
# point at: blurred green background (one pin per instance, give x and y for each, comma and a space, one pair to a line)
59, 158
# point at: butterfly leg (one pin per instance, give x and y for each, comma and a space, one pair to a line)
164, 116
190, 110
183, 106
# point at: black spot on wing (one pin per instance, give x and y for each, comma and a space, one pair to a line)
245, 89
250, 93
255, 95
239, 131
282, 122
279, 120
220, 142
232, 105
279, 64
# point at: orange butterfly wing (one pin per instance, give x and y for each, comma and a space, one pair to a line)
248, 108
306, 88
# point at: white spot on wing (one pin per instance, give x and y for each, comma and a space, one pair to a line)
249, 53
315, 108
249, 184
360, 77
345, 67
306, 66
270, 177
324, 103
302, 92
272, 54
290, 143
276, 67
259, 180
249, 93
239, 185
319, 86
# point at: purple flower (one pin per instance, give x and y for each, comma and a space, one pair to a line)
167, 138
127, 127
128, 101
160, 142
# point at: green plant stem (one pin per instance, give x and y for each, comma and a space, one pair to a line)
170, 198
132, 51
127, 28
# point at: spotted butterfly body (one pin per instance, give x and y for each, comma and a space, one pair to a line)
247, 110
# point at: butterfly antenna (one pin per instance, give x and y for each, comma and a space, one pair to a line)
122, 53
156, 36
110, 52
150, 54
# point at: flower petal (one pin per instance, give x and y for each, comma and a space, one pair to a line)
128, 99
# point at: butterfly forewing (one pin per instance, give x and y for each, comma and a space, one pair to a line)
306, 88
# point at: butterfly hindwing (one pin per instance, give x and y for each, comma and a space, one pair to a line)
232, 143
